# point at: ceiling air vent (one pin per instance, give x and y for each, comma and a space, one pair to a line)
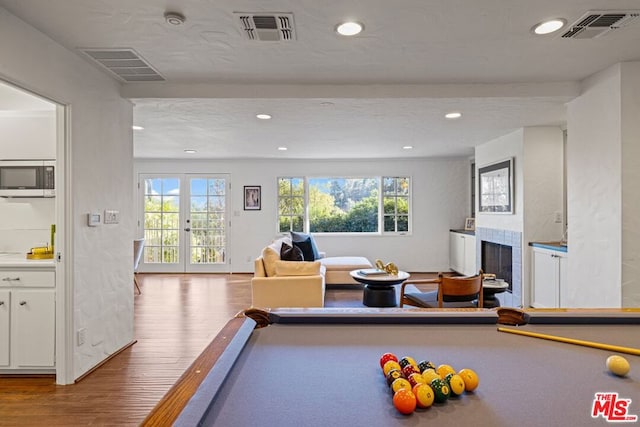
269, 27
598, 23
126, 64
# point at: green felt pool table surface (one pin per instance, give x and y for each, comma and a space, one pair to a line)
322, 369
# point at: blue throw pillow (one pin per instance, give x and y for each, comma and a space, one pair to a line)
306, 244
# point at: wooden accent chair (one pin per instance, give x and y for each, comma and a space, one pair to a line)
453, 292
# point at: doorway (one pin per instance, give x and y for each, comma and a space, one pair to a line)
185, 222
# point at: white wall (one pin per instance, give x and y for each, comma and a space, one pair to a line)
594, 203
440, 190
25, 135
630, 187
98, 169
503, 148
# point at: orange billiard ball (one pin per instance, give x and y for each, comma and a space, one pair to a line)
405, 401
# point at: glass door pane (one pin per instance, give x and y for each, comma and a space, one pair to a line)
208, 223
161, 222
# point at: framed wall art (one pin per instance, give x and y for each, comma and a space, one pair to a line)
252, 197
495, 187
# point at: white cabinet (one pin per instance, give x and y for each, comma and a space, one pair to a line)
549, 270
462, 253
27, 320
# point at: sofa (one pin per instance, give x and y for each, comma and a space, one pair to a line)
283, 278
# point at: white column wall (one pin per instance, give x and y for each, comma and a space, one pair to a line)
630, 184
98, 167
440, 201
594, 196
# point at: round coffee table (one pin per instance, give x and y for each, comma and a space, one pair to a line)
378, 288
489, 290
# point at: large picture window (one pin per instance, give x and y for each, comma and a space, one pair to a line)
344, 204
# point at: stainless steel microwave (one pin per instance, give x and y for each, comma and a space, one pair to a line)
27, 178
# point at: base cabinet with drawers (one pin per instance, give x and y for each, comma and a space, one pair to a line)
27, 320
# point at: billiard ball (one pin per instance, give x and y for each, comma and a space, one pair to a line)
618, 365
407, 361
456, 384
441, 390
400, 383
386, 357
443, 370
405, 401
429, 375
415, 378
408, 370
423, 365
470, 379
393, 375
389, 366
424, 395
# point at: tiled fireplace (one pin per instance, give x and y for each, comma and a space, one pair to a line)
499, 243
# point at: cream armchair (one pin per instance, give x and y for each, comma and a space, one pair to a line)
287, 284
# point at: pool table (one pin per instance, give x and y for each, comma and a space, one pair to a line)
320, 367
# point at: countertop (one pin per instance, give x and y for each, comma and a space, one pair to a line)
19, 260
469, 232
554, 246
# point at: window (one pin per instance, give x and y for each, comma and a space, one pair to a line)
344, 205
290, 204
395, 200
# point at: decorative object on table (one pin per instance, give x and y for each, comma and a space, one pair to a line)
252, 197
390, 268
470, 224
495, 187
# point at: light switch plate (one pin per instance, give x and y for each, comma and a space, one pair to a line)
111, 217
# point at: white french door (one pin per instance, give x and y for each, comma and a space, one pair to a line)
185, 222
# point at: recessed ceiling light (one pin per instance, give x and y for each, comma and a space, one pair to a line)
408, 147
263, 116
282, 148
134, 127
349, 28
190, 151
453, 115
174, 18
549, 26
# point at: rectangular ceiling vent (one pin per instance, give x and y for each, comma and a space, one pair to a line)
266, 27
126, 64
598, 23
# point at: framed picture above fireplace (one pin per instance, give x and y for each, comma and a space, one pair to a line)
495, 187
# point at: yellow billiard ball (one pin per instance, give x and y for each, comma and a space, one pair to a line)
618, 365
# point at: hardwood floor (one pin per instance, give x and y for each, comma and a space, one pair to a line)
176, 316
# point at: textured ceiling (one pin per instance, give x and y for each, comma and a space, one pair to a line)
332, 97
